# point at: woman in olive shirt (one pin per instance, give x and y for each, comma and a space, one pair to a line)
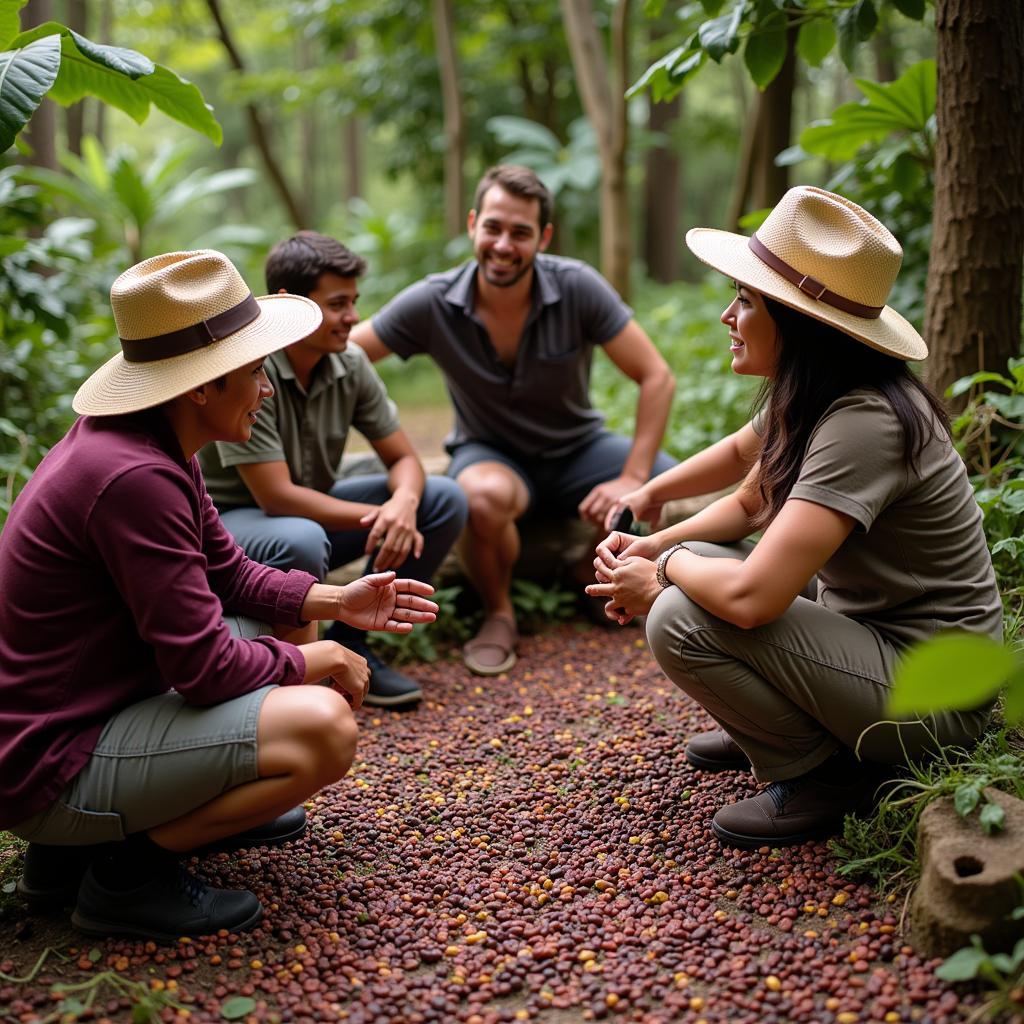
872, 538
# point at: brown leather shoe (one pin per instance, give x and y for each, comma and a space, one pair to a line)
715, 751
793, 811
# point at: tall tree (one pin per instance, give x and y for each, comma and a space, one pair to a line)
454, 130
74, 116
258, 129
602, 86
973, 308
662, 194
41, 134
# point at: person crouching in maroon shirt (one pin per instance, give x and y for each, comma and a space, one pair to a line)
145, 712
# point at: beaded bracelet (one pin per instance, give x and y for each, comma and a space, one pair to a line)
662, 564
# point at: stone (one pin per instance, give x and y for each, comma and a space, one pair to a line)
968, 879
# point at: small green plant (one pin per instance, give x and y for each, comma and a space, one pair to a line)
883, 848
539, 607
451, 627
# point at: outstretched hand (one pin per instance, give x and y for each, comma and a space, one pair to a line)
381, 602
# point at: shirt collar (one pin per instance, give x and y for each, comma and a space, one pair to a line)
331, 367
462, 291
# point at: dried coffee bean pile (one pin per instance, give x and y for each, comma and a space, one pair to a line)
534, 848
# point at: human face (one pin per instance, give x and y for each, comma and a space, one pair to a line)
231, 411
336, 296
753, 334
506, 235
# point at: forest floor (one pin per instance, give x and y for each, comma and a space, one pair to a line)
527, 848
532, 847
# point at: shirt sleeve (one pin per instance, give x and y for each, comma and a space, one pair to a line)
603, 312
264, 444
178, 570
375, 415
404, 324
854, 461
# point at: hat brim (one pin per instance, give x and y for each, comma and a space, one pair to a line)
119, 386
730, 254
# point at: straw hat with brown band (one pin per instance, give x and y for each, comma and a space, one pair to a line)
186, 318
825, 256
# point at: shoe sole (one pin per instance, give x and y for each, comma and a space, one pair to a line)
374, 700
491, 670
745, 842
226, 846
99, 927
707, 764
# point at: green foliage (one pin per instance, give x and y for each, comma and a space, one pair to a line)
576, 165
887, 144
952, 670
538, 607
53, 60
54, 324
762, 29
454, 625
710, 400
139, 207
883, 848
989, 433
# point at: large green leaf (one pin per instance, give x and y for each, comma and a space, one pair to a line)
911, 8
911, 98
855, 25
950, 671
766, 49
10, 23
125, 79
815, 40
721, 35
26, 75
519, 131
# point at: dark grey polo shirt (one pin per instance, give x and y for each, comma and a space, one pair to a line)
539, 407
308, 431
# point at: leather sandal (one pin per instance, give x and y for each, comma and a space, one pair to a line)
493, 650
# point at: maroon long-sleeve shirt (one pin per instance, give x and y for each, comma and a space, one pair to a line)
115, 575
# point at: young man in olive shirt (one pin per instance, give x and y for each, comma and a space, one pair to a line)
280, 494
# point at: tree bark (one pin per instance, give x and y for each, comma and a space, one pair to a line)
41, 131
257, 129
105, 34
774, 131
662, 190
602, 85
973, 298
352, 141
454, 131
309, 136
74, 116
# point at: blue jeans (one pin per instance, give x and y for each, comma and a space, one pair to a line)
292, 542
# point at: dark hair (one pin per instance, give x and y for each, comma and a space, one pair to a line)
817, 364
517, 181
297, 263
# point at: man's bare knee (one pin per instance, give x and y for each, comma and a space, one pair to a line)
495, 494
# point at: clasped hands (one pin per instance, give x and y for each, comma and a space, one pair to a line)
626, 575
393, 527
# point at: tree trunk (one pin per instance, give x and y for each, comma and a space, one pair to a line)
74, 116
309, 135
602, 91
257, 129
454, 132
105, 34
774, 129
662, 189
973, 299
352, 141
41, 131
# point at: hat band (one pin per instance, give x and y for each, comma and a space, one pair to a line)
188, 339
808, 285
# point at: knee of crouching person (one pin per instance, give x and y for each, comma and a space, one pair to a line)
672, 616
333, 735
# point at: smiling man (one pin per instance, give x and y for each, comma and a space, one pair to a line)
281, 495
514, 332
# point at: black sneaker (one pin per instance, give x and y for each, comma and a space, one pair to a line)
389, 688
51, 874
172, 904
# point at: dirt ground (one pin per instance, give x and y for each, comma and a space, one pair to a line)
532, 847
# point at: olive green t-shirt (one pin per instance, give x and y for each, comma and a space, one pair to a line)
916, 562
307, 431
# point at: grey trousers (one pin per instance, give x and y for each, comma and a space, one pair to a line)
794, 690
